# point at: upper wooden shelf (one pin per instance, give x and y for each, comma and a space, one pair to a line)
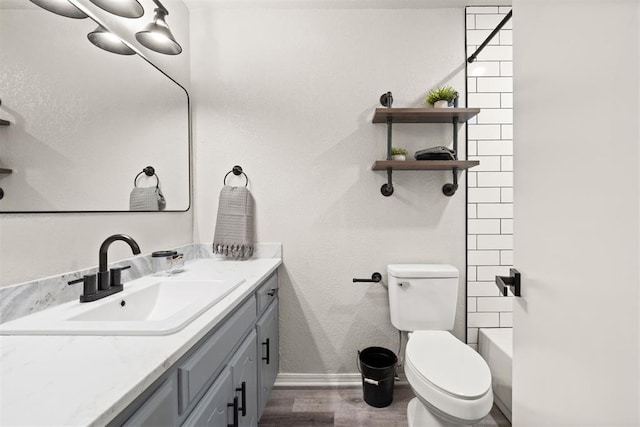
4, 122
5, 171
423, 165
424, 115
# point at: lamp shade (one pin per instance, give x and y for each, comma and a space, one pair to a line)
60, 7
124, 8
108, 41
157, 36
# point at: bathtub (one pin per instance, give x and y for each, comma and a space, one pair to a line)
495, 345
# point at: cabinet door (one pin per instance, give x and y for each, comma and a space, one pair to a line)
214, 409
206, 362
161, 409
268, 354
244, 371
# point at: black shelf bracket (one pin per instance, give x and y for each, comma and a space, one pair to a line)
504, 283
450, 189
386, 99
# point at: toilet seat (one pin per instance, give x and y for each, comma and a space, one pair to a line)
448, 377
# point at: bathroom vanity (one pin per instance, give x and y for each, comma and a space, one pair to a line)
217, 370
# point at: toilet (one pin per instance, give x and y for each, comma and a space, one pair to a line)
451, 381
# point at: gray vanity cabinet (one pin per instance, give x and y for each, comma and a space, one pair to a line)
244, 370
268, 352
228, 373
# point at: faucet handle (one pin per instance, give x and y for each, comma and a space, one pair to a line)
90, 285
116, 275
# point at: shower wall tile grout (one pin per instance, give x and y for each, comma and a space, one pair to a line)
490, 194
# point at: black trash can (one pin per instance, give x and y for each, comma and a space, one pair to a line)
378, 368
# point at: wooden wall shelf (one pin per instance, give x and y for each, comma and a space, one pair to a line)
390, 115
424, 115
424, 165
5, 171
4, 122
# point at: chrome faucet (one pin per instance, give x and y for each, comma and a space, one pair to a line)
108, 281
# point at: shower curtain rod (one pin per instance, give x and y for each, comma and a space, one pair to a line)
473, 57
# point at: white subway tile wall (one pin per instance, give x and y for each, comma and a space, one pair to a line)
490, 195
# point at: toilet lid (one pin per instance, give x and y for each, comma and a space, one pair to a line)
448, 364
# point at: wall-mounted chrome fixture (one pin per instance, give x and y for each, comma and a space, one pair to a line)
109, 42
124, 8
61, 7
157, 35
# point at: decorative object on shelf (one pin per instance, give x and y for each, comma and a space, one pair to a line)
157, 35
61, 7
436, 153
398, 153
422, 115
147, 198
108, 41
123, 8
442, 97
234, 235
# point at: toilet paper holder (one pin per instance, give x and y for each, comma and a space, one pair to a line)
375, 278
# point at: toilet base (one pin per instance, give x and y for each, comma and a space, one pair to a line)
419, 416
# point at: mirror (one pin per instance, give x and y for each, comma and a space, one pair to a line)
84, 122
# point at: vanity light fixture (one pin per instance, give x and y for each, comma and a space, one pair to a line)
109, 42
61, 7
123, 8
157, 35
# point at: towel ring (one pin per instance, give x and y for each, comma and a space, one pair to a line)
148, 171
237, 170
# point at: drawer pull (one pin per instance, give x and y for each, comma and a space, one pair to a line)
272, 292
234, 405
243, 390
267, 344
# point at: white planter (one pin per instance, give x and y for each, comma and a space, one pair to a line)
398, 157
441, 104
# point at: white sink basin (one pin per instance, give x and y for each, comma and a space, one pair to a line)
160, 307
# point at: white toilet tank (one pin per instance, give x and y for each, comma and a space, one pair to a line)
422, 296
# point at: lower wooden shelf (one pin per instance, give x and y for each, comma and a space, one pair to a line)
4, 122
416, 165
5, 171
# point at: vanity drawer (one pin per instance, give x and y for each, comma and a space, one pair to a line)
198, 371
267, 292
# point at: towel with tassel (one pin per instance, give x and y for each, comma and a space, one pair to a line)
234, 235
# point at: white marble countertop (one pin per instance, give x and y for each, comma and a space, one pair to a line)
87, 380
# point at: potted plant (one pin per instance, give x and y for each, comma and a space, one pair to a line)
398, 153
441, 97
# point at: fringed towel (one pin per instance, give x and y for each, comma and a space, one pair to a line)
234, 236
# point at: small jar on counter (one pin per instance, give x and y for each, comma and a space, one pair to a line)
166, 263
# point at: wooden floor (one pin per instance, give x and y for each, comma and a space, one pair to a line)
344, 407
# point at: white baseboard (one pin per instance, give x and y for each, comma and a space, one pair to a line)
321, 380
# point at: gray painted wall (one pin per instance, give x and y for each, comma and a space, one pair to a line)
288, 93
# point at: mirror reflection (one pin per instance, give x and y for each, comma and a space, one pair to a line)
85, 123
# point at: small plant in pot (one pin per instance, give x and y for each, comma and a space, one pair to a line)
441, 97
398, 153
